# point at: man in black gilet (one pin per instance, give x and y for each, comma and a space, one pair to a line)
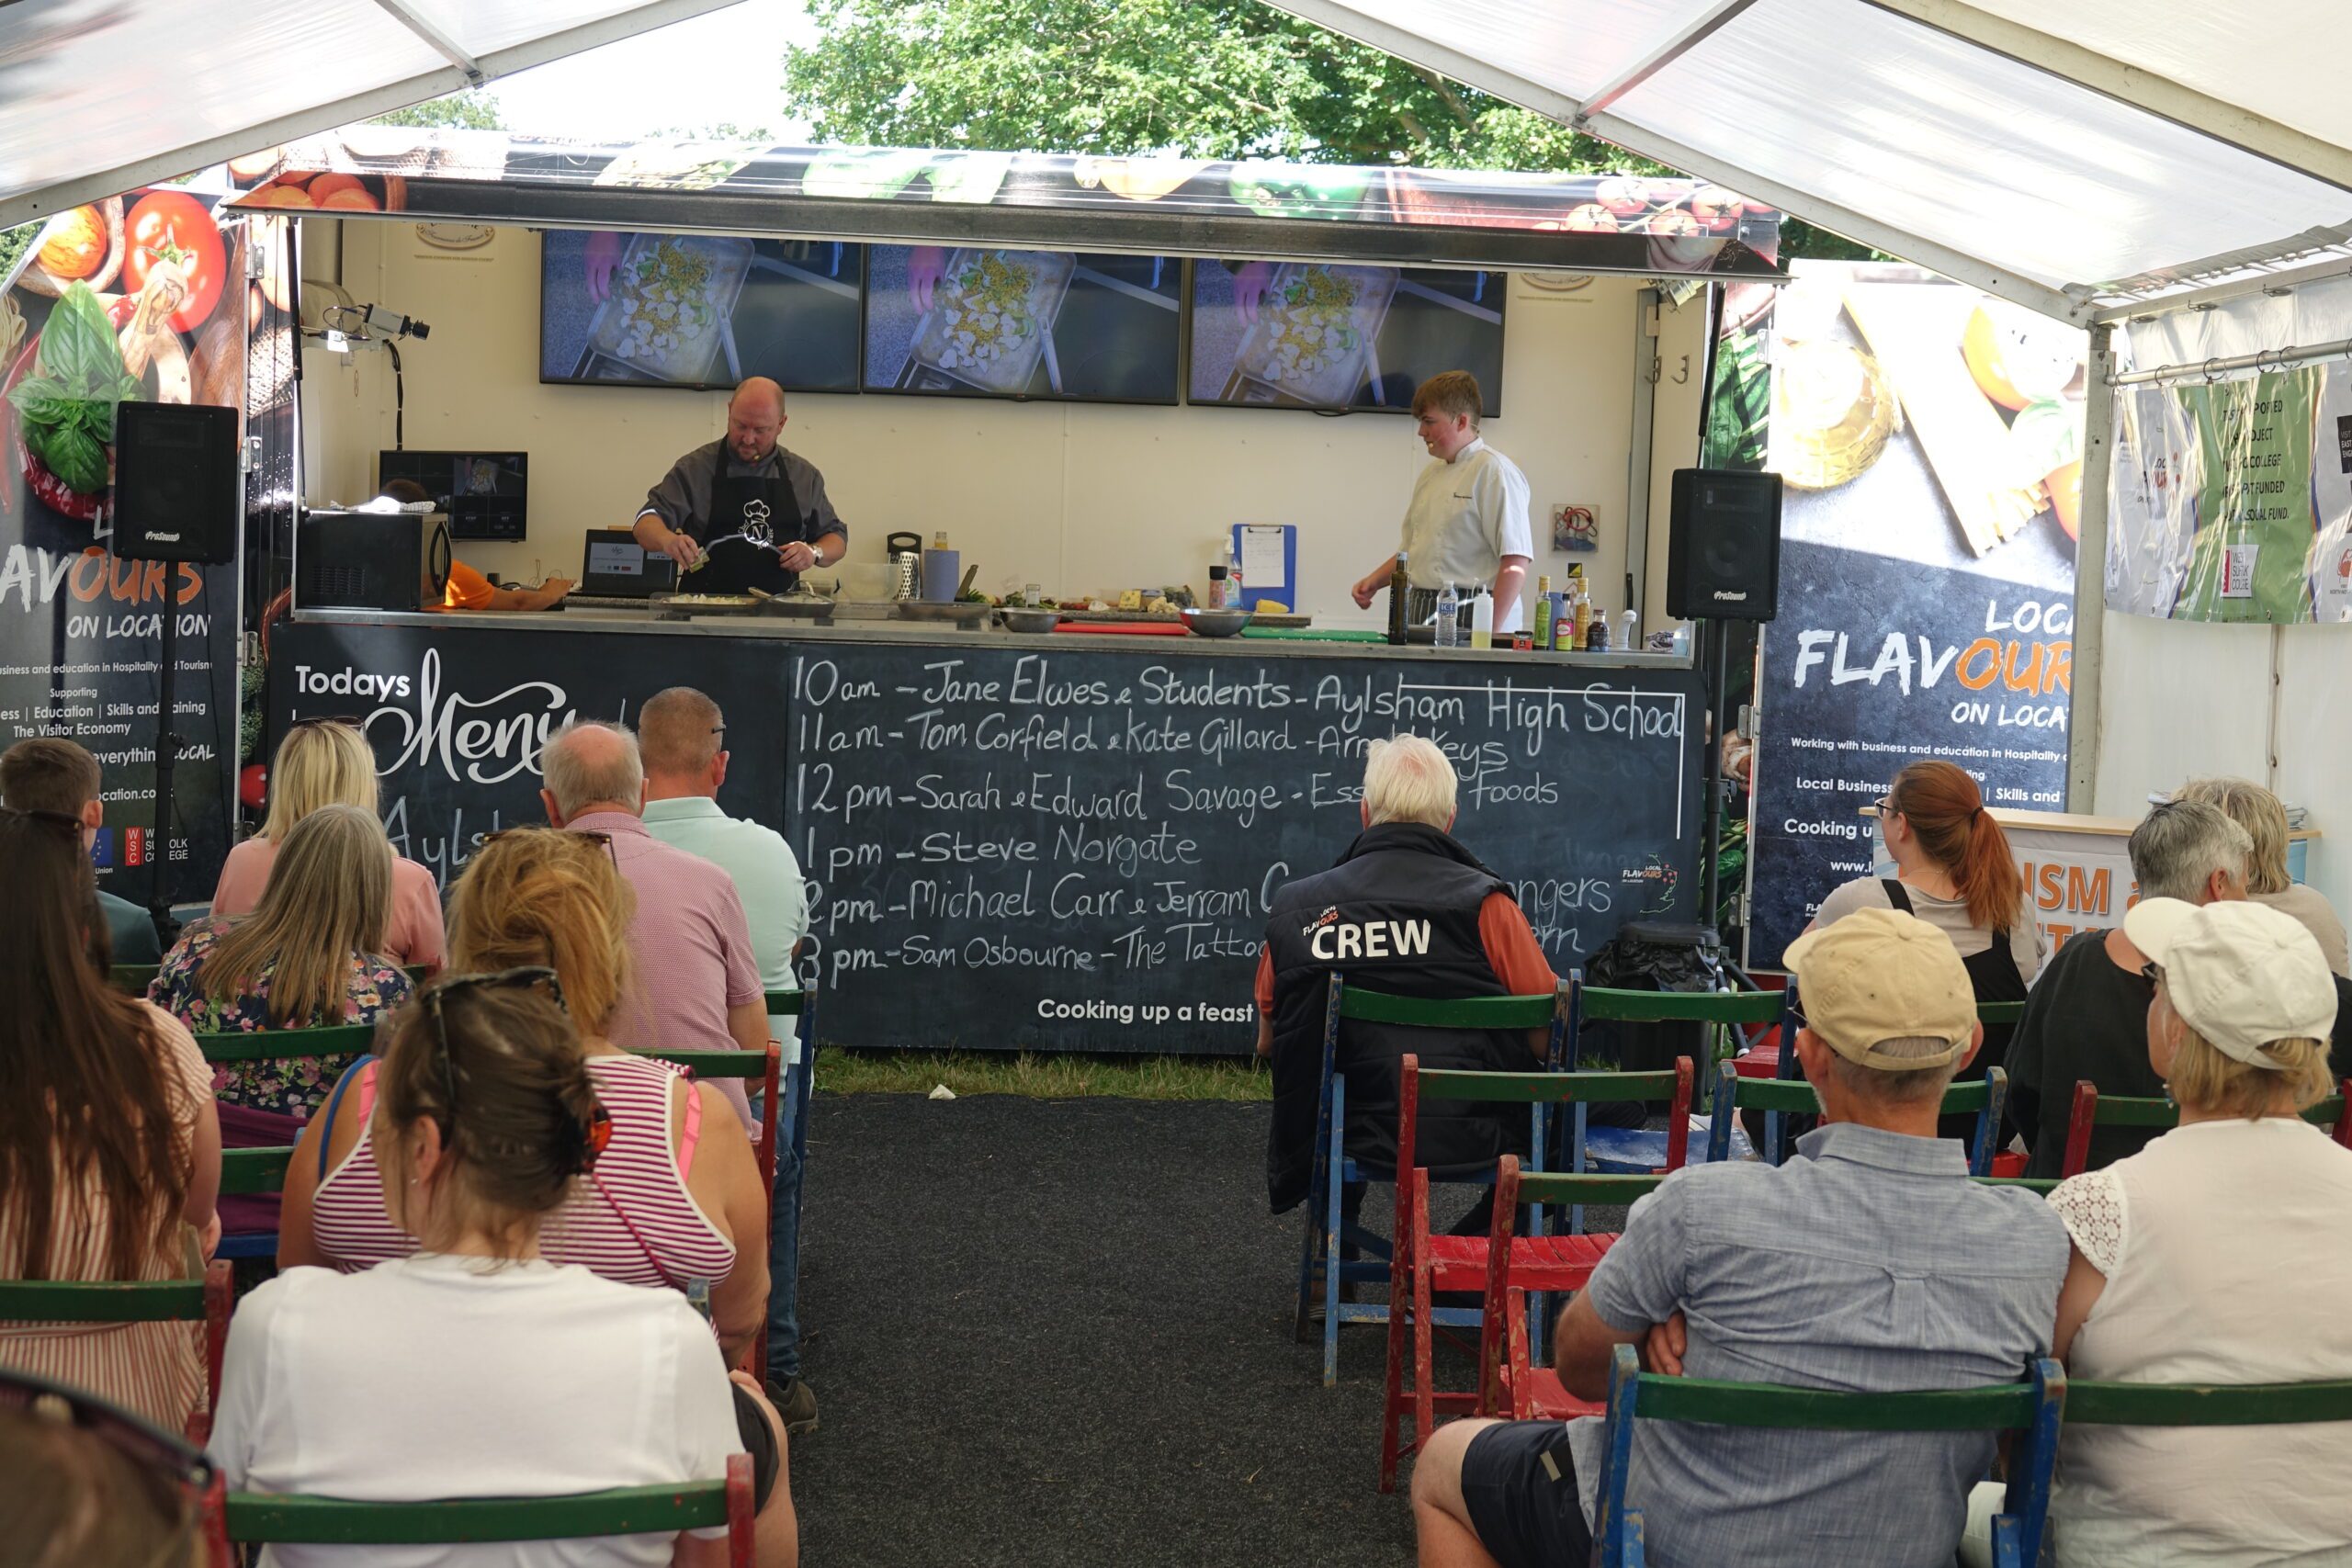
1407, 910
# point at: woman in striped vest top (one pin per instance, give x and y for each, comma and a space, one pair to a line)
109, 1149
667, 1204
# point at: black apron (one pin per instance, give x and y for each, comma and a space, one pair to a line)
750, 515
1993, 975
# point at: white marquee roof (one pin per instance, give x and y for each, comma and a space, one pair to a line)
98, 96
2084, 157
2075, 155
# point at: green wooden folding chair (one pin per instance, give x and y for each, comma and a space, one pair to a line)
2092, 1110
2032, 1408
205, 1301
1981, 1098
1322, 1266
268, 1518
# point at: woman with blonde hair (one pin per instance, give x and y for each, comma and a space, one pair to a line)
2257, 811
667, 1204
478, 1363
329, 763
1953, 869
2220, 1253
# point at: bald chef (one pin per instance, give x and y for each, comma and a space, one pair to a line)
756, 515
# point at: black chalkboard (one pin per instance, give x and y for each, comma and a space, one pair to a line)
1059, 850
1025, 846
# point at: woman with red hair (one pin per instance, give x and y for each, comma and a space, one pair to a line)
1954, 870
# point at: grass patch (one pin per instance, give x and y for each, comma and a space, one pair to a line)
1061, 1076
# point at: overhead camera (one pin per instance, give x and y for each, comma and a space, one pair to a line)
388, 323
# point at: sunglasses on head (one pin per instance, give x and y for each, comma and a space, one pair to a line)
65, 822
523, 978
144, 1443
592, 835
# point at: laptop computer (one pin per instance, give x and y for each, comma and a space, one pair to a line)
615, 567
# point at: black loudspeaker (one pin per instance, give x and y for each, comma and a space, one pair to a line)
1722, 558
177, 490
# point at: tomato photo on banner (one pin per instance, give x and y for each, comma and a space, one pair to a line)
1929, 441
135, 297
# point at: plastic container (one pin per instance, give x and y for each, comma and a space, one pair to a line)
1448, 618
1220, 589
1482, 621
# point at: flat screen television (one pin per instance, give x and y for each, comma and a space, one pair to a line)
976, 323
485, 494
698, 310
1340, 338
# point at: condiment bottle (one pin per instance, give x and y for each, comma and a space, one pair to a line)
1217, 589
1399, 589
1482, 621
1543, 611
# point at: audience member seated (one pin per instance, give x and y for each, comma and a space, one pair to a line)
2257, 811
329, 763
51, 774
1407, 909
1870, 1263
109, 1150
665, 1204
682, 734
2220, 1253
1953, 869
697, 977
310, 956
81, 1486
2086, 1017
477, 1366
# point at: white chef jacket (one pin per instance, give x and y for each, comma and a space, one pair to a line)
1465, 517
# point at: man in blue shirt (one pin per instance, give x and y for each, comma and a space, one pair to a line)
1871, 1263
682, 736
51, 773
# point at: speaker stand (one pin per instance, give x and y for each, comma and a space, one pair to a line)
168, 756
1711, 649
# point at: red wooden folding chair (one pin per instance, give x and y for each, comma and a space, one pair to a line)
2091, 1110
1423, 1264
1509, 1385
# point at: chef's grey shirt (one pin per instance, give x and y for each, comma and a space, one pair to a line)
682, 498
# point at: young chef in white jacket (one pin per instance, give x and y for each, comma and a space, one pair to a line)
1468, 521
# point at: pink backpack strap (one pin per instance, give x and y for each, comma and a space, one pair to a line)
693, 1131
367, 1087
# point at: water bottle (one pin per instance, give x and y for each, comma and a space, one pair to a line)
1449, 616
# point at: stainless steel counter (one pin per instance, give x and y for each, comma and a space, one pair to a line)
575, 620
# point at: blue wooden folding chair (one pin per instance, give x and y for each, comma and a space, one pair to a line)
2032, 1408
1323, 1266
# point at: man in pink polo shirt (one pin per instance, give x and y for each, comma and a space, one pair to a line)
697, 985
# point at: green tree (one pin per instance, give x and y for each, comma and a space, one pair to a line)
473, 109
1193, 78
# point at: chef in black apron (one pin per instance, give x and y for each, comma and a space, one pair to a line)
751, 513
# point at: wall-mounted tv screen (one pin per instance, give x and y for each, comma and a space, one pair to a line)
997, 323
1309, 334
698, 309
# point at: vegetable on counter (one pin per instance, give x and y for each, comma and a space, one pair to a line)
65, 407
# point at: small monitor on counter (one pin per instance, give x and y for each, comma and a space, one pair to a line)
616, 567
483, 493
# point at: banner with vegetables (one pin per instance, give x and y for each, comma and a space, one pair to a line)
135, 296
2232, 500
1930, 441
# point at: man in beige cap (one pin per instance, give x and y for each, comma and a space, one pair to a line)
1869, 1263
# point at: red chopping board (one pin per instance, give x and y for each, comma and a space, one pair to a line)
1127, 629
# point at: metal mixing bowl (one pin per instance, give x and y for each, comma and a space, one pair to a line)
1029, 620
1217, 623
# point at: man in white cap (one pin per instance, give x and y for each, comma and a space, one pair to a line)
2222, 1253
1869, 1263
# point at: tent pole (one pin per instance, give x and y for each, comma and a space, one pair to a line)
2090, 578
